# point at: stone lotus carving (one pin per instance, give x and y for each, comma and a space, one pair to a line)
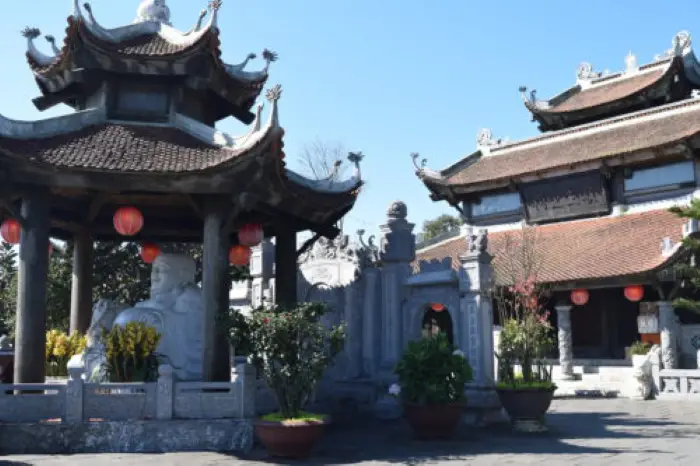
174, 309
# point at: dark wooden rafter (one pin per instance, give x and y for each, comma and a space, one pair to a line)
308, 244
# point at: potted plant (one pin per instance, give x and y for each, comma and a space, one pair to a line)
637, 352
432, 374
60, 347
292, 349
525, 340
130, 353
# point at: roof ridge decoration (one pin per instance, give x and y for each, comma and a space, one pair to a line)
681, 44
485, 141
156, 24
41, 58
153, 10
421, 171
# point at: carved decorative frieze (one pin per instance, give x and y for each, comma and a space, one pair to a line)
566, 197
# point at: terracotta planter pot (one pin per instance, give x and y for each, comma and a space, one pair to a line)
433, 421
525, 404
290, 439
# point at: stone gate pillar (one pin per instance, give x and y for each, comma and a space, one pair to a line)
397, 251
476, 308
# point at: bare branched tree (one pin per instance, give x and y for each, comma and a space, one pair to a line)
322, 160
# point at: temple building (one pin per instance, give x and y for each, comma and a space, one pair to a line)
147, 98
616, 150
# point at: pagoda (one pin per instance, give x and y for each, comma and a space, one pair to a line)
616, 150
147, 97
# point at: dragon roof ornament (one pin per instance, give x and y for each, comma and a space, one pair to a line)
363, 254
421, 171
531, 101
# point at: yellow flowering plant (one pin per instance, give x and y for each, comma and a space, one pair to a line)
131, 352
60, 347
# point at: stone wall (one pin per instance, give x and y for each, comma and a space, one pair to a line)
382, 296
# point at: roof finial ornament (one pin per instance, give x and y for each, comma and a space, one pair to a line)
214, 7
355, 158
631, 63
31, 33
198, 26
419, 168
153, 11
681, 43
273, 95
42, 59
269, 56
51, 40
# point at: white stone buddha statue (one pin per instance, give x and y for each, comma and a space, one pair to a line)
153, 10
175, 309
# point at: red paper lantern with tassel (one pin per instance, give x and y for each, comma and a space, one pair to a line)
149, 252
239, 255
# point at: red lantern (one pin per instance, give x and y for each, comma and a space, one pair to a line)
634, 293
149, 252
10, 231
128, 221
250, 235
437, 307
579, 297
239, 255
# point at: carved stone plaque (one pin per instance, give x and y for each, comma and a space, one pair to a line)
566, 197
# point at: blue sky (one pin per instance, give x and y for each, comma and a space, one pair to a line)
390, 77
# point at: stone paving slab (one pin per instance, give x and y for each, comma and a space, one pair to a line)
582, 432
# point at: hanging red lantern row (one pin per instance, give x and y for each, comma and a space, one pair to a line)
634, 293
149, 252
579, 297
250, 235
10, 230
128, 221
239, 255
437, 307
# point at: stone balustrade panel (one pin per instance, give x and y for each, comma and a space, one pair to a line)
48, 403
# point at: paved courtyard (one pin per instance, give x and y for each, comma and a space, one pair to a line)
582, 432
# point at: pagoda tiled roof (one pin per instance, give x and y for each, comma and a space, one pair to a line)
565, 149
120, 147
609, 247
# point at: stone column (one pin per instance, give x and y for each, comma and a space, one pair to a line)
214, 266
353, 344
286, 269
30, 338
397, 251
566, 355
81, 290
667, 324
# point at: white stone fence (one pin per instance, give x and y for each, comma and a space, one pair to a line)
77, 401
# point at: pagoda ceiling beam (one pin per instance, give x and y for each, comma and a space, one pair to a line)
329, 231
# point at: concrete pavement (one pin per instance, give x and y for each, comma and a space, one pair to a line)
582, 432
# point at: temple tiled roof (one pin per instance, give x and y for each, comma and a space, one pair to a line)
605, 92
582, 250
145, 45
598, 141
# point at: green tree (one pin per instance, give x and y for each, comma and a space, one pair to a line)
8, 270
688, 272
440, 225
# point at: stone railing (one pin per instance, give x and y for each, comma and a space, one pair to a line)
678, 383
77, 401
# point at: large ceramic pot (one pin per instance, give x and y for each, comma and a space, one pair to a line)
433, 421
527, 404
290, 439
